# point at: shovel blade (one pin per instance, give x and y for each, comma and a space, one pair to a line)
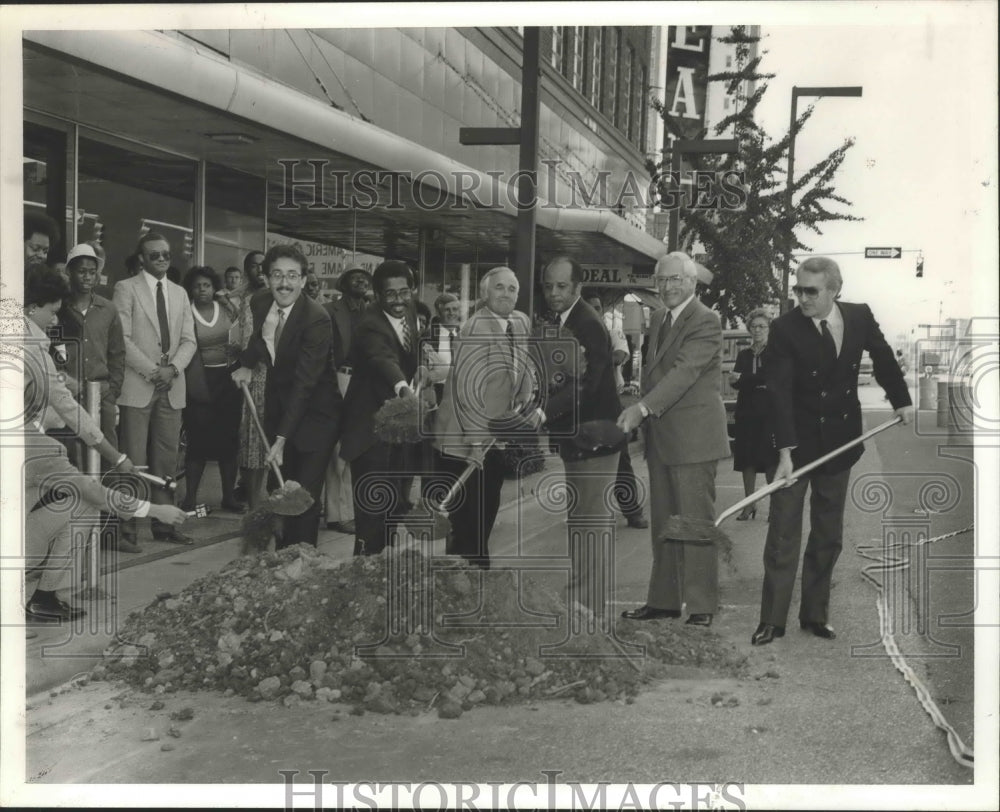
688, 528
290, 500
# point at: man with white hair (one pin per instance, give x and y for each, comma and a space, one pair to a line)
490, 379
812, 379
685, 433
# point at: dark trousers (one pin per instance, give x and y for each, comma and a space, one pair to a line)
784, 540
475, 506
626, 487
308, 468
379, 475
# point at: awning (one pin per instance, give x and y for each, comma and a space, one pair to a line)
159, 90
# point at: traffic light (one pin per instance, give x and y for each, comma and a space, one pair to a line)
920, 267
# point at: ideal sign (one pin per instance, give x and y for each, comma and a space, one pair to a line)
616, 276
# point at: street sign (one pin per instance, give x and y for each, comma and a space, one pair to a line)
883, 253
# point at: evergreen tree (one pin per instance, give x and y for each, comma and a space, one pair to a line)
747, 245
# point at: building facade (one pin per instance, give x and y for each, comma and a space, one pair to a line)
345, 141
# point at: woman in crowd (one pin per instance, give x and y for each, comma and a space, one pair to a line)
754, 448
212, 413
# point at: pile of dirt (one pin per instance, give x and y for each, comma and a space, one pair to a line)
387, 634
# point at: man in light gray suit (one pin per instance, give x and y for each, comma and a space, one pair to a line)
159, 344
685, 433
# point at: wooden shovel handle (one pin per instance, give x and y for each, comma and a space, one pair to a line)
260, 430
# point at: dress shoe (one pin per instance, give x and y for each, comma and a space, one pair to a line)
818, 629
766, 633
124, 545
638, 521
342, 527
51, 610
233, 506
698, 619
173, 537
649, 613
747, 513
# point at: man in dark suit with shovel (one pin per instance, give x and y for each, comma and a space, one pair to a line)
293, 335
812, 379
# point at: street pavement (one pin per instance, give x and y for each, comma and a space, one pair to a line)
809, 711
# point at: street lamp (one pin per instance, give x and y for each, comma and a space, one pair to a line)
691, 147
796, 92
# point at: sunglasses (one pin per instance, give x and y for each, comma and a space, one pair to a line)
155, 255
803, 292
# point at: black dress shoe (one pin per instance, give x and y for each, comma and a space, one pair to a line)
638, 521
51, 611
342, 527
698, 619
173, 537
649, 613
818, 629
766, 633
124, 545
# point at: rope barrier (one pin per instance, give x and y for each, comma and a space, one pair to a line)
959, 750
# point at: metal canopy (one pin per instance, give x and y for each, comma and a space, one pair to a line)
110, 98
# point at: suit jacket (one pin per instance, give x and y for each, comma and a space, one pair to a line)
682, 387
595, 395
301, 399
379, 362
485, 383
344, 321
141, 330
816, 407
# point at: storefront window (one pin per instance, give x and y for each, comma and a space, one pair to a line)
235, 203
44, 180
126, 190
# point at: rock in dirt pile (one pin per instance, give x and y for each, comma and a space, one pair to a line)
386, 634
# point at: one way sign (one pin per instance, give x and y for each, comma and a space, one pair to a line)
883, 253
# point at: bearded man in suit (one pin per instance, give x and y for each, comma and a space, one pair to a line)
685, 434
293, 336
490, 380
812, 379
383, 360
158, 331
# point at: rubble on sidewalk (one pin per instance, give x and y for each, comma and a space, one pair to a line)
295, 626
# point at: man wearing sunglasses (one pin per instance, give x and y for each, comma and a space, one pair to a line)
158, 331
812, 379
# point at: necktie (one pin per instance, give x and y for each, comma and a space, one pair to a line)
407, 341
664, 329
510, 337
829, 345
278, 329
161, 317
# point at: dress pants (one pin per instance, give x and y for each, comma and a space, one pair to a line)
307, 467
339, 501
590, 522
475, 506
76, 449
784, 540
150, 435
626, 487
379, 475
48, 540
683, 572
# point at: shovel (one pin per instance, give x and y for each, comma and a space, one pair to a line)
686, 528
291, 499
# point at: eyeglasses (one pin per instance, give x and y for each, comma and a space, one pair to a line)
155, 255
282, 276
802, 293
676, 279
397, 295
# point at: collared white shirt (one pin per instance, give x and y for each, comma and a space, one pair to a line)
835, 323
675, 312
151, 282
565, 314
271, 323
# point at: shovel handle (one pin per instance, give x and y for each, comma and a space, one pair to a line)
169, 484
260, 430
466, 473
777, 485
